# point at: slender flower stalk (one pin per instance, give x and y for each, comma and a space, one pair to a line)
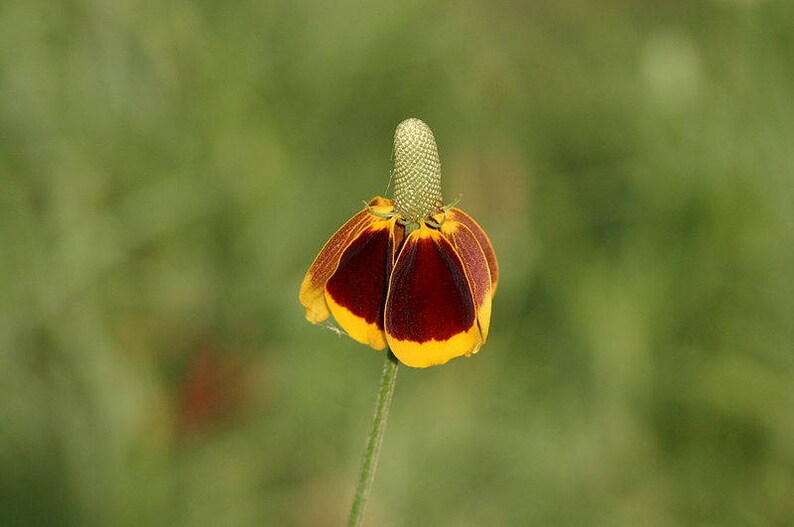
369, 464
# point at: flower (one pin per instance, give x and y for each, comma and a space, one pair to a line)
409, 273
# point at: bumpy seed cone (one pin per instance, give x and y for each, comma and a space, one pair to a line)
416, 171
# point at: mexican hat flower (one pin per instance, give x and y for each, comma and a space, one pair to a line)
409, 273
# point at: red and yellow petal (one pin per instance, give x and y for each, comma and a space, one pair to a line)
477, 270
458, 215
430, 314
312, 291
356, 292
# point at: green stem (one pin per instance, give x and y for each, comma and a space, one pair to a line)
367, 474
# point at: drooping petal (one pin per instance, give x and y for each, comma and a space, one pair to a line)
458, 215
312, 291
356, 292
476, 267
430, 314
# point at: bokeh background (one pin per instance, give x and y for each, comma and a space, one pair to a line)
168, 170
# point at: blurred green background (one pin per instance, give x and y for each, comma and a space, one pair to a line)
168, 171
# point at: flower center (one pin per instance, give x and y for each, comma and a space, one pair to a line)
416, 171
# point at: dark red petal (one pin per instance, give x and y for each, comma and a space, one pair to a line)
473, 258
429, 296
477, 270
361, 279
312, 290
458, 215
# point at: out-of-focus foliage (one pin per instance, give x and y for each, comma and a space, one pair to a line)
169, 169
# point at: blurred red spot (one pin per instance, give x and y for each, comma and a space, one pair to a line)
211, 390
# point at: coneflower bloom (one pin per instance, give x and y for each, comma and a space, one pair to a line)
409, 273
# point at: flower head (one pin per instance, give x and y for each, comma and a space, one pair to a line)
408, 273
